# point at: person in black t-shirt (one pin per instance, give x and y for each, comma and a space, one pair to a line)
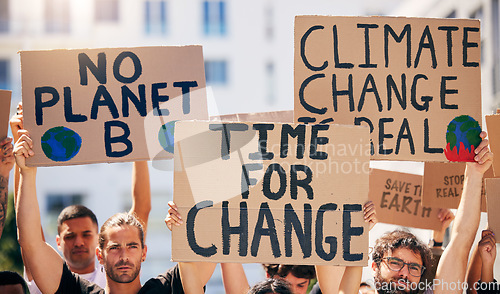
121, 248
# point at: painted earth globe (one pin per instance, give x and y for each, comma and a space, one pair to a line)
462, 137
61, 143
166, 136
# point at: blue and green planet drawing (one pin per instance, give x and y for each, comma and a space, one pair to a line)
166, 136
462, 137
61, 143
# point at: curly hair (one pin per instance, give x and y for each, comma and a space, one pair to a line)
282, 270
401, 239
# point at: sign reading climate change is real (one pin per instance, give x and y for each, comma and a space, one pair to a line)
114, 104
405, 78
271, 193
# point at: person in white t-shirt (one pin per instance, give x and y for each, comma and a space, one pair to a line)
77, 239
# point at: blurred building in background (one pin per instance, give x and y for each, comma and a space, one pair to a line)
488, 12
248, 51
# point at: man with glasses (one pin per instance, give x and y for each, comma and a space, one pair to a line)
399, 261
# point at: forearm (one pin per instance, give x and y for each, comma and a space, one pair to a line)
453, 263
487, 272
330, 277
4, 190
351, 280
141, 192
234, 278
43, 261
469, 211
474, 270
438, 236
27, 211
191, 281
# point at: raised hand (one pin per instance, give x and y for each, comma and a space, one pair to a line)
173, 217
370, 214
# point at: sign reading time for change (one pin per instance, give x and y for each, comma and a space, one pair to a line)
271, 193
398, 200
105, 105
4, 112
405, 78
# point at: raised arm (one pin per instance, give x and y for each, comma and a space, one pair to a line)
453, 263
141, 192
204, 269
341, 279
234, 278
191, 283
16, 124
43, 261
473, 270
488, 251
6, 164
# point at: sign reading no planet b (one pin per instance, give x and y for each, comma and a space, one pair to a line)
114, 104
405, 78
271, 193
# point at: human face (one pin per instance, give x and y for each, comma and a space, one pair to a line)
397, 281
122, 253
298, 285
12, 289
77, 241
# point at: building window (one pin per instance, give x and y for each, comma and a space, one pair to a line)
478, 14
271, 96
156, 17
4, 74
57, 16
106, 11
57, 202
496, 45
4, 16
216, 72
214, 18
269, 22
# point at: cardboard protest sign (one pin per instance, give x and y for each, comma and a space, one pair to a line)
113, 104
285, 116
443, 184
271, 192
493, 200
493, 126
398, 200
4, 113
405, 78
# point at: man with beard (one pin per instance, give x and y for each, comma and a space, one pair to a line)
77, 227
399, 261
121, 248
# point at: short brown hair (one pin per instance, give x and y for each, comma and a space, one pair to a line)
401, 239
75, 211
119, 220
282, 270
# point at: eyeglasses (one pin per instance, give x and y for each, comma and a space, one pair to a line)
395, 264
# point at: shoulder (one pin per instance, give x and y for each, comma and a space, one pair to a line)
169, 282
73, 283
